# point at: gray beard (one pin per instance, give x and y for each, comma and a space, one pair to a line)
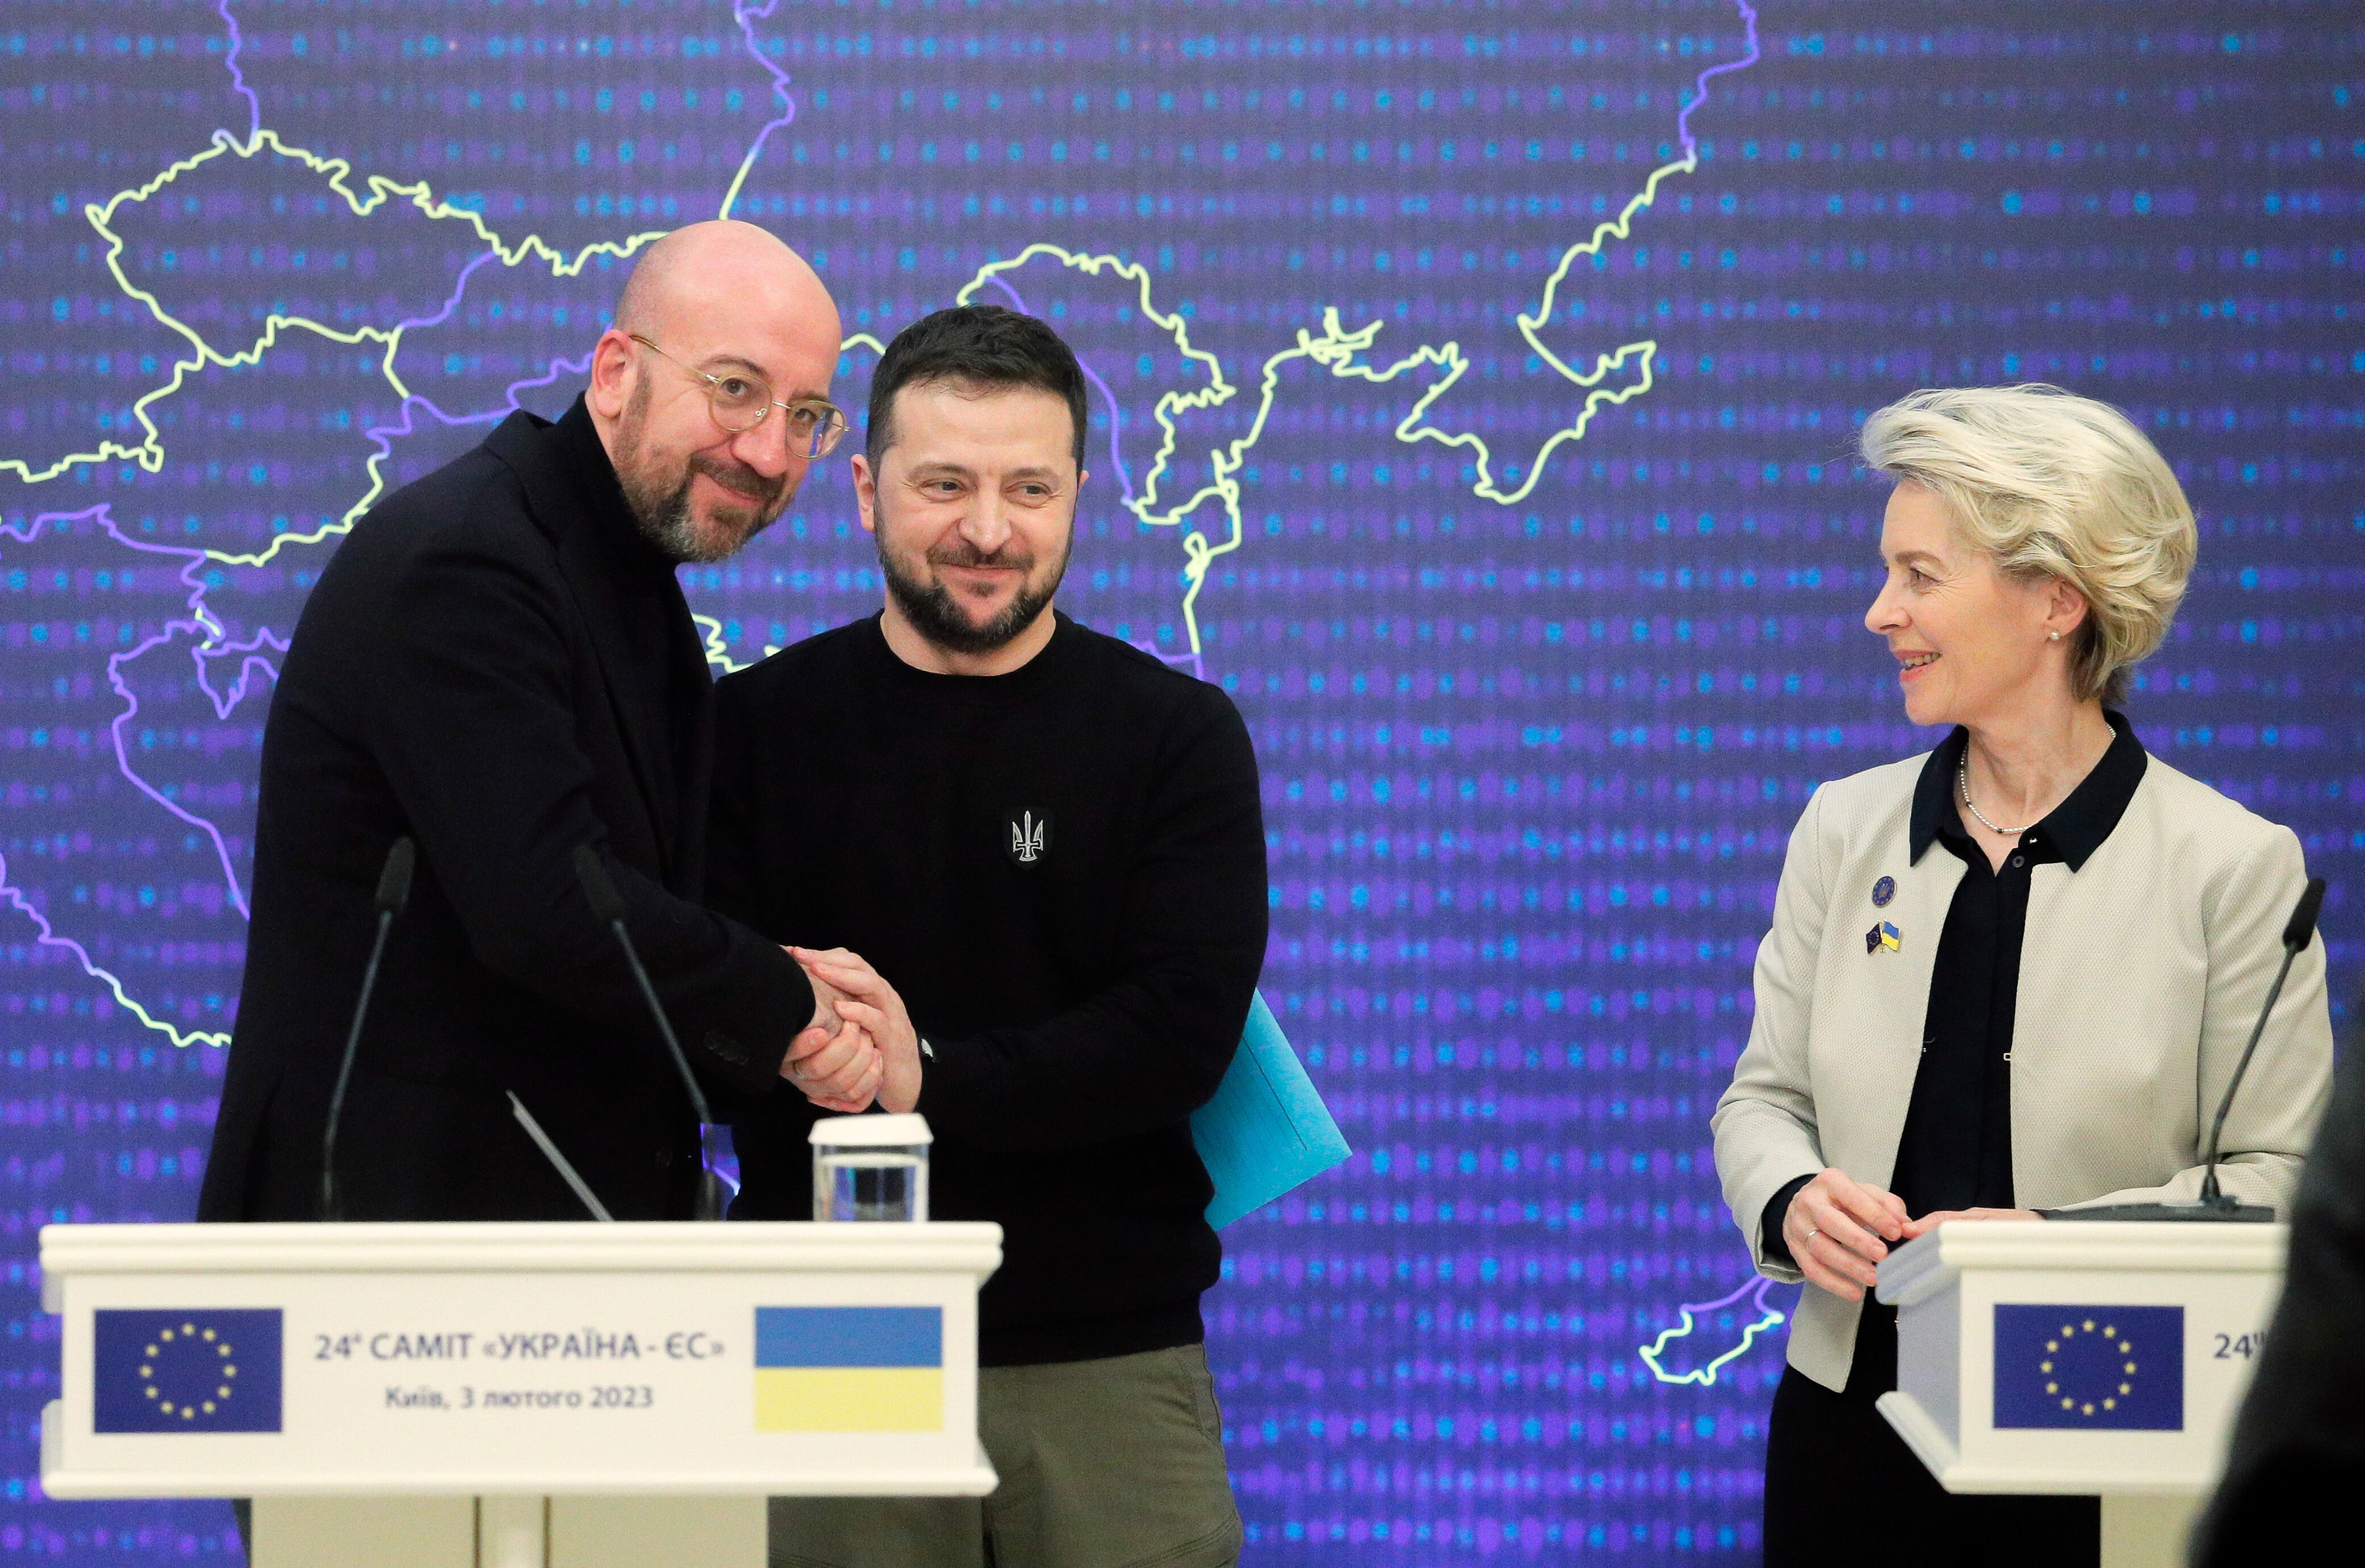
665, 518
667, 523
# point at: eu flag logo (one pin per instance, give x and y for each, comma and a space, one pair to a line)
200, 1371
2115, 1368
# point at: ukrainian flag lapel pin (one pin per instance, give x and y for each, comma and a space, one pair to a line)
1882, 935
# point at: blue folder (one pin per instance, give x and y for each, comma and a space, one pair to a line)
1266, 1131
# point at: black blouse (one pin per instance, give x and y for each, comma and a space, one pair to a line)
1956, 1152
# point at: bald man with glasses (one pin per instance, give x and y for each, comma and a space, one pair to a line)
499, 664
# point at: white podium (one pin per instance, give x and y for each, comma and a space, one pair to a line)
2065, 1357
514, 1396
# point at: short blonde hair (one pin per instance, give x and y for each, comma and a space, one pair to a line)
2051, 485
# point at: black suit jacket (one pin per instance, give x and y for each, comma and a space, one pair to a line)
496, 663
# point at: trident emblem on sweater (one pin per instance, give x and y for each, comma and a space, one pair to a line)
1030, 837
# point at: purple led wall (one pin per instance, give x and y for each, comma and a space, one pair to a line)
1475, 392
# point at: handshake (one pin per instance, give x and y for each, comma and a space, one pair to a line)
860, 1045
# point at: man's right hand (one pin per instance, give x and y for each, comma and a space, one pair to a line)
864, 998
1838, 1230
832, 1062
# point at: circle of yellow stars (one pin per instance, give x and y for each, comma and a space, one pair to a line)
2108, 1333
204, 1338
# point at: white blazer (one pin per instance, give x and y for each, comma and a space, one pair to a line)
2140, 976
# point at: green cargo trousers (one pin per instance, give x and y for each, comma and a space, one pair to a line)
1112, 1463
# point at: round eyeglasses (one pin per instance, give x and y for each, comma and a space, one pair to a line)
739, 400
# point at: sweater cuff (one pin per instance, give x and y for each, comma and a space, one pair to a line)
1770, 1245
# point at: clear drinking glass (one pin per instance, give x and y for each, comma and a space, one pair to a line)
870, 1167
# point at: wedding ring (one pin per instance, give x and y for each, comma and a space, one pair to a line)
1813, 1231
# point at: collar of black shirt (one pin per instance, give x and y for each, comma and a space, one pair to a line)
977, 690
2074, 828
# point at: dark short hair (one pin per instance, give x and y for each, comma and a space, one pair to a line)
984, 346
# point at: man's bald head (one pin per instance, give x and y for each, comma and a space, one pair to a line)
720, 301
722, 265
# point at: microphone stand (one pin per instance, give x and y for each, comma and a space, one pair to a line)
559, 1162
393, 893
607, 904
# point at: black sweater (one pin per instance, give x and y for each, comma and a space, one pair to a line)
1061, 870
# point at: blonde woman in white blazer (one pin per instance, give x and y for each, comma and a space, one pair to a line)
2012, 974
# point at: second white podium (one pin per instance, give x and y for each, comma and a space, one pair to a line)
442, 1396
2065, 1357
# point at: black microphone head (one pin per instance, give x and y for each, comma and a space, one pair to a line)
606, 902
394, 881
2302, 921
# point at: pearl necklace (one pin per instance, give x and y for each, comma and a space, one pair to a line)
1963, 780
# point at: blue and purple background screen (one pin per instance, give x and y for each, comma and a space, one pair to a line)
1474, 393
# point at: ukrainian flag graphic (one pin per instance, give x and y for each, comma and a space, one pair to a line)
849, 1369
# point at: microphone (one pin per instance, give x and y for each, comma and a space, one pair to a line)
2215, 1203
393, 893
2297, 933
608, 905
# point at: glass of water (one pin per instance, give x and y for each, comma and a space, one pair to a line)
870, 1167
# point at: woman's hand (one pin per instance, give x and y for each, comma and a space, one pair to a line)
1937, 1218
1838, 1230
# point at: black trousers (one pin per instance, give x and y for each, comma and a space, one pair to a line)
1842, 1485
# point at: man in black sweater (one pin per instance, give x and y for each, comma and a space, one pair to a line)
1052, 844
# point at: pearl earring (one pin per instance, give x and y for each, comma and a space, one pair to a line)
2053, 636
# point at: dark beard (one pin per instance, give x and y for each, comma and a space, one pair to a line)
937, 618
664, 517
